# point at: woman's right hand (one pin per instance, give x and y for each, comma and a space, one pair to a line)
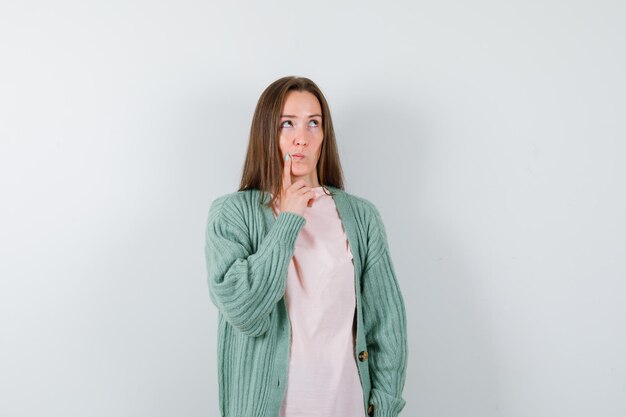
294, 197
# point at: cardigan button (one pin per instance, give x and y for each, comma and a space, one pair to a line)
363, 355
370, 409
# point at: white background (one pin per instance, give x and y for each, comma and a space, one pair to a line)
489, 134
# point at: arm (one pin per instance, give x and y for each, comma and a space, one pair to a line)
385, 325
246, 286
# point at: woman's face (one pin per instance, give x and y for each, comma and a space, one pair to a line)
300, 133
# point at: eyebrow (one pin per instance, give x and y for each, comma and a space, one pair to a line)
291, 115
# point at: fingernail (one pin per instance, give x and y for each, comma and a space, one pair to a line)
287, 156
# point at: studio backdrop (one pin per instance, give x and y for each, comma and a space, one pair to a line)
490, 135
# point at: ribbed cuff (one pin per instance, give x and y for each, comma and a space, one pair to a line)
287, 226
385, 414
385, 405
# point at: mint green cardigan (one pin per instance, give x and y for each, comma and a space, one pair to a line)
247, 256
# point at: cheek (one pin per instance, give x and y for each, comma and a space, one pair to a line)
281, 144
319, 144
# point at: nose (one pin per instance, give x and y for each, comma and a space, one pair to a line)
300, 135
300, 140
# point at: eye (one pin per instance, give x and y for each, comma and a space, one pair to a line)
286, 121
316, 122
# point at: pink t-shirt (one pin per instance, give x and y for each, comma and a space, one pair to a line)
323, 379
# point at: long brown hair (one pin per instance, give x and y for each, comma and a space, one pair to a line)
263, 167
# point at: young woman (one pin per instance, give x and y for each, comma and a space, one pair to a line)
311, 319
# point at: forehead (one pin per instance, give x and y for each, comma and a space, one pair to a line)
302, 102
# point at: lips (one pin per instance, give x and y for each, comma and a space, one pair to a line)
297, 155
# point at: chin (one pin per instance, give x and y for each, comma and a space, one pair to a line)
300, 172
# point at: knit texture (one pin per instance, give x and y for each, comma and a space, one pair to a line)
247, 254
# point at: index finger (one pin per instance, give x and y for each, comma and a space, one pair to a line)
287, 171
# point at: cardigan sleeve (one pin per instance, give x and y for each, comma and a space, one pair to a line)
385, 325
246, 286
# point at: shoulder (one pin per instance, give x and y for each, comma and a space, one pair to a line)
221, 202
363, 207
234, 205
368, 216
363, 204
241, 198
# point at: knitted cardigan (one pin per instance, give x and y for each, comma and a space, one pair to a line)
247, 254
